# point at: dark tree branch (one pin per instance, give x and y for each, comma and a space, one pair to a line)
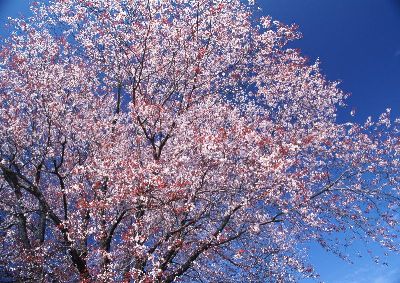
19, 181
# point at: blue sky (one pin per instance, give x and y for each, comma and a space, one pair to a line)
358, 43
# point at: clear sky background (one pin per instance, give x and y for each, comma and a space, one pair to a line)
358, 43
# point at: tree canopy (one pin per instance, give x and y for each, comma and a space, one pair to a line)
179, 140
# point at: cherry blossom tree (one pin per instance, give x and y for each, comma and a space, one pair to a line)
179, 140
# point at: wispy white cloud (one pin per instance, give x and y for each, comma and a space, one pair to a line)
392, 276
378, 275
